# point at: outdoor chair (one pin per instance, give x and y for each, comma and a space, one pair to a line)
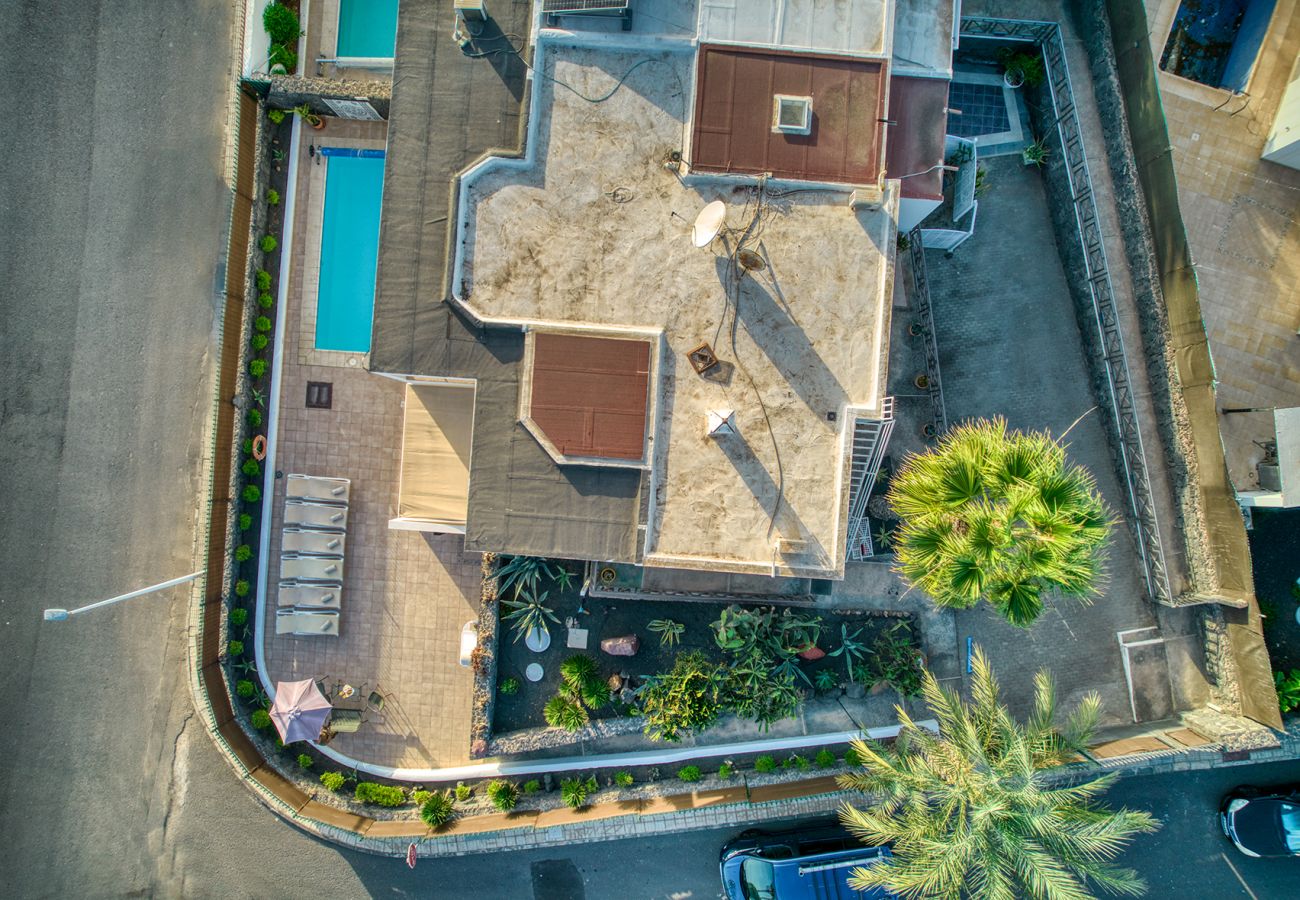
345, 721
376, 700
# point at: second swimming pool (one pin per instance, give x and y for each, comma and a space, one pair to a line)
349, 249
367, 28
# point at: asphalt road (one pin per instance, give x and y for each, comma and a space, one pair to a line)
113, 211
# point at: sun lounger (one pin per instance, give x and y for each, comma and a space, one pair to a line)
302, 622
315, 488
311, 568
345, 721
305, 542
314, 596
316, 516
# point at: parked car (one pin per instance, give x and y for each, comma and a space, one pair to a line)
811, 864
1263, 821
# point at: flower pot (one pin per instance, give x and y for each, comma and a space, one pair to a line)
1013, 78
922, 381
318, 123
537, 639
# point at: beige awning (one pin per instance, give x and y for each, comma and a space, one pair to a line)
435, 453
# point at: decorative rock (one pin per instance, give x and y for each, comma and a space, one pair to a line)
627, 695
627, 645
615, 684
812, 653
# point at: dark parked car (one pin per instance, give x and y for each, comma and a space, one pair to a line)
812, 864
1263, 821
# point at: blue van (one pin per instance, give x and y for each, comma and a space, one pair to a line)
810, 864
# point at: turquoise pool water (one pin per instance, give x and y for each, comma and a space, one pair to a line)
349, 249
367, 28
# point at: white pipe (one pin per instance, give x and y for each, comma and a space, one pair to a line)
611, 760
273, 411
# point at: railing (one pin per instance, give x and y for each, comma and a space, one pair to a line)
921, 297
1113, 359
870, 438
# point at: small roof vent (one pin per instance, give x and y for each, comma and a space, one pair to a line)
791, 115
720, 422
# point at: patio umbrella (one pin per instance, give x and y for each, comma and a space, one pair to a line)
300, 710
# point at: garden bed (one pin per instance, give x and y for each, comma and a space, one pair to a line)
521, 707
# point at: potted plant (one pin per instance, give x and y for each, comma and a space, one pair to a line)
922, 381
1035, 154
1020, 68
304, 111
529, 617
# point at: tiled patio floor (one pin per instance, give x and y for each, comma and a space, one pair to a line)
405, 594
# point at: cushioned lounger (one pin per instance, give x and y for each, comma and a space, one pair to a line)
311, 568
318, 596
312, 487
302, 622
312, 543
300, 514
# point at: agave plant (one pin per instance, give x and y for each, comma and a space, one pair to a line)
670, 632
530, 614
850, 648
999, 516
523, 573
564, 712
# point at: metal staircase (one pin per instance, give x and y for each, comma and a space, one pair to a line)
870, 438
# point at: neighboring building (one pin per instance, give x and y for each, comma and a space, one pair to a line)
592, 372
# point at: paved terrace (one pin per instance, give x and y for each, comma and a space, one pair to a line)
405, 594
595, 234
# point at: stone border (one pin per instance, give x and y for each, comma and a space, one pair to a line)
484, 663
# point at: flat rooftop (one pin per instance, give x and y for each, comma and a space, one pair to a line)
858, 27
591, 235
733, 128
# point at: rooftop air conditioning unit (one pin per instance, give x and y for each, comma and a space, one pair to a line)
791, 115
621, 9
1270, 479
472, 10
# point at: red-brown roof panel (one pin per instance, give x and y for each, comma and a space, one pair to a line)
919, 106
589, 395
735, 88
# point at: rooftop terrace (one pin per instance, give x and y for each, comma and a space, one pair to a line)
591, 234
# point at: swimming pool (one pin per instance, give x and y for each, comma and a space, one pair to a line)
349, 249
367, 29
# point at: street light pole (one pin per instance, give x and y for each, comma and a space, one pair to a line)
60, 615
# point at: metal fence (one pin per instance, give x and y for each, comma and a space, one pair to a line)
921, 296
1113, 359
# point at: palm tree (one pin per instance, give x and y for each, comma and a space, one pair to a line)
998, 516
967, 812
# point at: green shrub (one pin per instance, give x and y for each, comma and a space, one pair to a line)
689, 773
257, 367
244, 688
259, 342
272, 195
503, 795
245, 521
437, 810
265, 300
1288, 689
765, 764
261, 719
689, 698
281, 24
623, 779
595, 694
578, 670
276, 116
287, 57
576, 791
379, 794
463, 791
243, 553
532, 786
333, 781
796, 762
238, 616
241, 588
304, 761
509, 685
825, 759
255, 418
247, 446
421, 796
268, 243
236, 648
561, 712
251, 468
262, 323
851, 757
251, 493
263, 280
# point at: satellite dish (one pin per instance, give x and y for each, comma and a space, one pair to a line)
708, 223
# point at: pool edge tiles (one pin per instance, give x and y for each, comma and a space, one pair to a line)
348, 250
